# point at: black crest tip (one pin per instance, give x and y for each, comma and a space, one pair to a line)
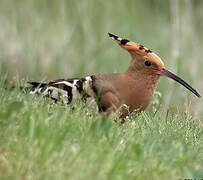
114, 37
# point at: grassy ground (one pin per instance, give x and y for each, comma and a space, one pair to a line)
42, 40
42, 140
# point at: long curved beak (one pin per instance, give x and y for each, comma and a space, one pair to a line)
171, 75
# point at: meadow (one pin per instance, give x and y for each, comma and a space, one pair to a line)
44, 40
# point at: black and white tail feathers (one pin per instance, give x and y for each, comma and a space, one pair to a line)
68, 89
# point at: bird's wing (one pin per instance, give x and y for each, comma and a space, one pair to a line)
69, 89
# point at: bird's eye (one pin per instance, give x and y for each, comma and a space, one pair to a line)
147, 63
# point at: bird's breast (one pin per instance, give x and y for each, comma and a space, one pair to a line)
137, 92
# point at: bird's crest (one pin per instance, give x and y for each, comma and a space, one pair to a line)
131, 47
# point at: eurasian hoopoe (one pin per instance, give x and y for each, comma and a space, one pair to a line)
134, 87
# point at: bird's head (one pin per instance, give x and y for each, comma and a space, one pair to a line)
146, 62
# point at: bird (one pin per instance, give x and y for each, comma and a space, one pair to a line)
133, 87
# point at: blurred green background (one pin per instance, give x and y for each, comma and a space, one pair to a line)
49, 39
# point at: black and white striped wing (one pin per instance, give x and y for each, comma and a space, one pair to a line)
69, 89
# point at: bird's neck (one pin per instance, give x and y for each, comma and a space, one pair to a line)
148, 81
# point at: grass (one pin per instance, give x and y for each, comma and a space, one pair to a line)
42, 140
42, 40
